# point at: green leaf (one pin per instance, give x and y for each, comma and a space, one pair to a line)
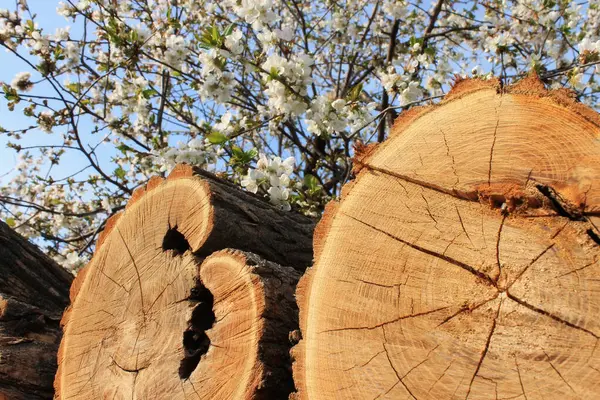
237, 152
58, 53
228, 30
123, 148
274, 73
413, 40
11, 222
252, 153
147, 93
216, 137
12, 96
354, 94
242, 157
74, 87
311, 182
215, 33
120, 173
156, 142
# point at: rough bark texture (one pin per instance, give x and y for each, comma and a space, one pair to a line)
142, 312
463, 261
34, 292
248, 222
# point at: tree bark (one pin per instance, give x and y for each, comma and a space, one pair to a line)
463, 261
151, 318
34, 292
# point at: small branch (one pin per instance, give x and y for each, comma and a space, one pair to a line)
391, 116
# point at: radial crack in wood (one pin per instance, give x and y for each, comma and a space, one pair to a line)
462, 260
151, 318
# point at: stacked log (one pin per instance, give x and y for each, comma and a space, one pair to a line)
34, 292
153, 317
463, 260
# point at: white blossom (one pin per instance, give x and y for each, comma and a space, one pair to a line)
72, 261
106, 205
587, 45
256, 12
175, 51
272, 173
234, 42
22, 82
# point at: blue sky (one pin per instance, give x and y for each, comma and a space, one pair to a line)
49, 20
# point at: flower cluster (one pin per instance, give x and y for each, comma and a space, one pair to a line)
22, 82
287, 82
589, 51
255, 12
217, 81
271, 174
10, 28
403, 85
327, 117
197, 152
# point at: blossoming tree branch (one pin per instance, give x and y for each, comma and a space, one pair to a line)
270, 95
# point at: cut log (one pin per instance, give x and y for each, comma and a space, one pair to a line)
147, 322
34, 292
254, 312
464, 260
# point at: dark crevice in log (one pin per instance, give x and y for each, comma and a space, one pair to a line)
495, 200
485, 278
498, 248
574, 271
132, 371
195, 341
492, 153
549, 360
559, 204
520, 378
174, 240
594, 236
565, 210
531, 263
486, 348
398, 377
412, 315
548, 314
468, 309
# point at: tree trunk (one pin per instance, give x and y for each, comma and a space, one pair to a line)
34, 292
151, 319
463, 261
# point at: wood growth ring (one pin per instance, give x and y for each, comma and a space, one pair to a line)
152, 317
461, 263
